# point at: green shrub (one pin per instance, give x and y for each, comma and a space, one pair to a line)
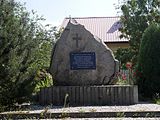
149, 62
42, 79
124, 55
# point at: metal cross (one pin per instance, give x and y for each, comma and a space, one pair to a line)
77, 38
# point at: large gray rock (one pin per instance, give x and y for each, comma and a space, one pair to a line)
106, 65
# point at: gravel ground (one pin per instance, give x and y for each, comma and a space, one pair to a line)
136, 107
56, 109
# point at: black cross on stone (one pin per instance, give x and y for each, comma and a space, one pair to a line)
77, 38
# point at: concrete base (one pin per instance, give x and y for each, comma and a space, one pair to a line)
89, 95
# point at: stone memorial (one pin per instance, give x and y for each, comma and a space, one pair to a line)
80, 58
84, 70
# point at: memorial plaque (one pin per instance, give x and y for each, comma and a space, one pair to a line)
82, 60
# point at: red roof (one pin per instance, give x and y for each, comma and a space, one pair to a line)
106, 28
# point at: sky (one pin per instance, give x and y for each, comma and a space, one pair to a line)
54, 11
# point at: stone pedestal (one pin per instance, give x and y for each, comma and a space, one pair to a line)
89, 95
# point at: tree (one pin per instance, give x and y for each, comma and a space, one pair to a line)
149, 62
124, 55
135, 18
25, 47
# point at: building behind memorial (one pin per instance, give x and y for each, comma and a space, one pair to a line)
106, 28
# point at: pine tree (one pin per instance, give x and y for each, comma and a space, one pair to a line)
149, 62
25, 47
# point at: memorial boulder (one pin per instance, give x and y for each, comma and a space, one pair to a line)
79, 58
